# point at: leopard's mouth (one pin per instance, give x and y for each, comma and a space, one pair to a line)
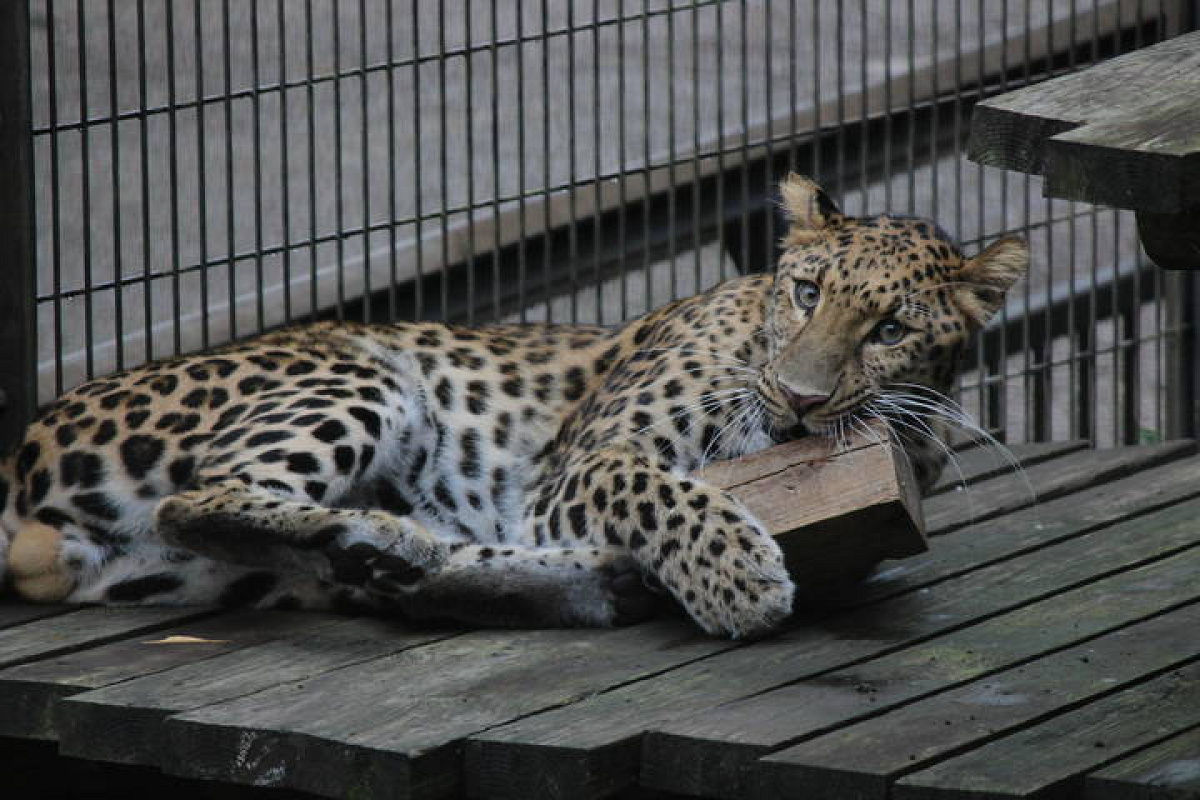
831, 419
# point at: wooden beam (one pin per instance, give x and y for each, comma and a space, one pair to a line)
836, 511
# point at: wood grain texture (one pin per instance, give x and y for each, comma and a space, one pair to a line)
705, 754
864, 757
85, 627
836, 511
124, 722
1167, 771
594, 745
31, 692
1055, 754
393, 726
1124, 133
998, 496
13, 612
980, 463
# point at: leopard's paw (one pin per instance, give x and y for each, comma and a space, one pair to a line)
385, 554
736, 584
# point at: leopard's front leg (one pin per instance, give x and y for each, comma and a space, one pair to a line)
709, 552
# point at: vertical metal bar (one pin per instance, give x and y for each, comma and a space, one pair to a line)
469, 161
443, 161
697, 257
201, 179
863, 112
144, 142
285, 165
230, 216
622, 162
648, 283
911, 109
546, 218
934, 122
364, 142
572, 167
493, 50
393, 199
522, 263
311, 132
814, 168
418, 164
85, 192
768, 177
597, 162
18, 304
114, 155
1034, 419
1079, 398
55, 195
339, 219
743, 167
173, 180
719, 35
673, 248
1047, 410
793, 56
840, 64
887, 106
1001, 355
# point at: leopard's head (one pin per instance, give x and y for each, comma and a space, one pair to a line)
870, 313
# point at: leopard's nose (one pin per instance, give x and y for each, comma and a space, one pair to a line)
802, 403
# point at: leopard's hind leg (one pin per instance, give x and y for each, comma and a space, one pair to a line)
247, 524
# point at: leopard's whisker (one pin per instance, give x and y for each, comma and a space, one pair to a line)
710, 402
722, 431
946, 408
927, 432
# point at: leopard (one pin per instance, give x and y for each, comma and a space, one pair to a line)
523, 475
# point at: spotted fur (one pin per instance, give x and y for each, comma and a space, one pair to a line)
528, 475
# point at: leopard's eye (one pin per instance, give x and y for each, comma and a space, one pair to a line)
890, 331
807, 294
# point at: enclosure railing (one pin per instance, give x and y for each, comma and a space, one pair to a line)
179, 173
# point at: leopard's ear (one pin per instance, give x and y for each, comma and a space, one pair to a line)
809, 210
984, 279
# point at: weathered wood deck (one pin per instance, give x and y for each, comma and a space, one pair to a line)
1048, 648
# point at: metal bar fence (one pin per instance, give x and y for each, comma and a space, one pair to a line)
190, 171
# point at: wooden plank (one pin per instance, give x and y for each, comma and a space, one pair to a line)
1122, 133
393, 726
123, 722
862, 760
835, 510
707, 754
31, 692
593, 746
981, 463
1002, 495
14, 613
86, 627
968, 548
1166, 771
1054, 755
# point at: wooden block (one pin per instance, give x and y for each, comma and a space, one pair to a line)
836, 511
